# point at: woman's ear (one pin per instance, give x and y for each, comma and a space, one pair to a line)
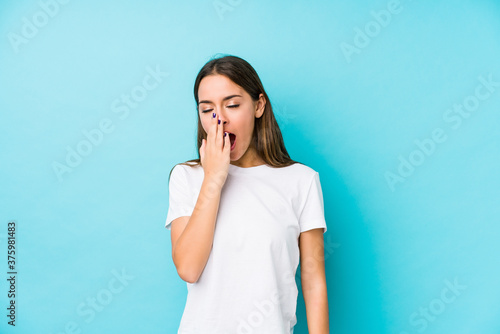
261, 106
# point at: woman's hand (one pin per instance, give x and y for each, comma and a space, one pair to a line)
214, 152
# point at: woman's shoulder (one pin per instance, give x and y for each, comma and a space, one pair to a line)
187, 164
297, 173
302, 169
185, 168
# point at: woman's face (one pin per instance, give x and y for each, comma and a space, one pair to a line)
236, 111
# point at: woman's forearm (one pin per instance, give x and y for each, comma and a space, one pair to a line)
316, 302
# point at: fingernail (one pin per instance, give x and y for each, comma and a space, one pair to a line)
213, 115
218, 121
225, 134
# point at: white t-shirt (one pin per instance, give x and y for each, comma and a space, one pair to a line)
248, 284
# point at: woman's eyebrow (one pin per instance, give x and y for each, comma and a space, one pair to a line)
224, 99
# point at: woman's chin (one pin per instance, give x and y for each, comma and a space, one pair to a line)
233, 155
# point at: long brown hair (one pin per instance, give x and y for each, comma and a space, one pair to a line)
267, 138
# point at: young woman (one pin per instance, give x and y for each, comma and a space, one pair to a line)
243, 215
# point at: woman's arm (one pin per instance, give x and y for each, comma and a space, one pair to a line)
192, 240
312, 273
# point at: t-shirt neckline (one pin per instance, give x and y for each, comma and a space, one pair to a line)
245, 170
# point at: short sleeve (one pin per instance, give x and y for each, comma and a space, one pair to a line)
313, 213
179, 198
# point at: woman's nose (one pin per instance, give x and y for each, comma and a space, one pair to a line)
222, 118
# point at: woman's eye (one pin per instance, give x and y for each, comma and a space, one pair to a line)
231, 106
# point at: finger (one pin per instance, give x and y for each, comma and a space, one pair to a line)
227, 142
220, 132
212, 128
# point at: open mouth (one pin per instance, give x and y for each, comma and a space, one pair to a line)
232, 138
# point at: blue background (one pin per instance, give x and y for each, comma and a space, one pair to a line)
352, 116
